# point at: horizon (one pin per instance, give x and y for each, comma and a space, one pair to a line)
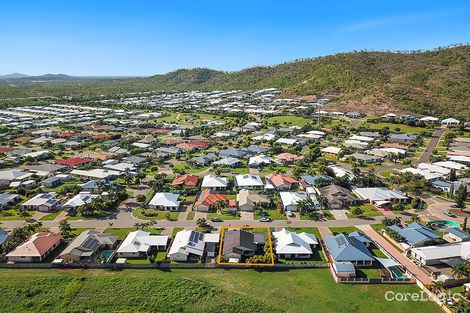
450, 46
125, 38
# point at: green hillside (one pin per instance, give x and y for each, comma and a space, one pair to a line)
431, 82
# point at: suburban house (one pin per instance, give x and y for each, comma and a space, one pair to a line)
292, 245
7, 199
288, 158
80, 199
214, 182
290, 199
258, 161
141, 244
4, 236
207, 200
248, 181
165, 201
43, 202
402, 138
7, 177
380, 197
347, 248
415, 234
92, 185
232, 153
86, 246
229, 161
451, 253
280, 182
247, 200
456, 235
337, 197
51, 182
238, 243
36, 248
189, 181
187, 245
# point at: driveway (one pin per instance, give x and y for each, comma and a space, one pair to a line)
247, 216
339, 214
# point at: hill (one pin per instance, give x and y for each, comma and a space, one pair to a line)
426, 82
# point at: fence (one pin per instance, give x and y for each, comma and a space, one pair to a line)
114, 266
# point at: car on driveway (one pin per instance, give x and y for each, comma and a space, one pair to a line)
265, 219
216, 219
450, 214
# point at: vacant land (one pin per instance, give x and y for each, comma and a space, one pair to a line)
194, 291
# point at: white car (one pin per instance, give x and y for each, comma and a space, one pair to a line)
289, 213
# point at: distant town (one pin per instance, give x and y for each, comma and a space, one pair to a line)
238, 180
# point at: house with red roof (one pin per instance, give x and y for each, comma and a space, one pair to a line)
36, 249
101, 136
189, 181
73, 162
288, 158
281, 182
65, 134
207, 201
4, 150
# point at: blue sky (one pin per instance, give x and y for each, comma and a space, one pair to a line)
143, 37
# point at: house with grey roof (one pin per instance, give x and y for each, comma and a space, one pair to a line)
346, 248
87, 245
232, 153
415, 234
238, 244
7, 199
456, 235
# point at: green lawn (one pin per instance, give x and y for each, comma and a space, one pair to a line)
199, 290
50, 217
121, 233
190, 216
155, 214
77, 231
327, 214
368, 273
11, 215
346, 229
391, 126
377, 252
272, 214
369, 210
223, 216
288, 120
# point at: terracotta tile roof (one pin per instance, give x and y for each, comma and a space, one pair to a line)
288, 157
72, 161
23, 139
186, 180
37, 245
4, 150
208, 199
279, 180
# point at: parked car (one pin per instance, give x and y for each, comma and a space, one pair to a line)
450, 214
265, 219
216, 219
289, 213
453, 205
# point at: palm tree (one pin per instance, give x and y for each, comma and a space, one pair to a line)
436, 286
219, 206
415, 218
460, 270
65, 228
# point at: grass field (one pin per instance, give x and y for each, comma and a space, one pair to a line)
369, 210
50, 217
11, 214
273, 214
288, 120
345, 229
392, 127
195, 291
157, 215
225, 217
122, 233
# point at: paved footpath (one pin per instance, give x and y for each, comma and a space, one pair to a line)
419, 273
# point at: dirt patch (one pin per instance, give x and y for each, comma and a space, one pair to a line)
460, 213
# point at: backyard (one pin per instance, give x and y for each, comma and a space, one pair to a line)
195, 291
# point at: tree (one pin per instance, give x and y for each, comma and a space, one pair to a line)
141, 199
65, 228
461, 270
452, 175
464, 225
415, 218
357, 211
219, 206
201, 222
436, 286
461, 197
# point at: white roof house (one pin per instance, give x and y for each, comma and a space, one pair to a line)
259, 160
294, 245
434, 168
289, 199
435, 254
378, 194
165, 201
361, 138
340, 172
450, 121
248, 181
43, 202
121, 167
429, 119
97, 173
214, 182
287, 141
331, 150
267, 137
185, 243
427, 174
80, 199
451, 165
139, 242
8, 176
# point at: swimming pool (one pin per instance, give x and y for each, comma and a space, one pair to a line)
106, 255
442, 224
396, 273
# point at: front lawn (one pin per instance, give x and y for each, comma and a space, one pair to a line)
151, 214
345, 229
223, 216
190, 216
11, 215
272, 214
50, 217
309, 230
288, 120
369, 210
